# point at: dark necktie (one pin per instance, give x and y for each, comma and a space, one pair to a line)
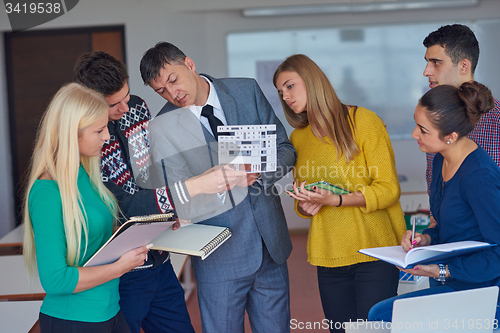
208, 112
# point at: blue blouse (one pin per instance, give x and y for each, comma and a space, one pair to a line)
467, 207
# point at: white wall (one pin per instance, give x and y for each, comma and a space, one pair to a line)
6, 196
199, 28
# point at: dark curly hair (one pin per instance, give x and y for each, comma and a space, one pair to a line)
101, 72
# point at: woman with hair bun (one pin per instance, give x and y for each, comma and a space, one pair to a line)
464, 193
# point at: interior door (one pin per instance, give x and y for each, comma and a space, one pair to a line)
38, 63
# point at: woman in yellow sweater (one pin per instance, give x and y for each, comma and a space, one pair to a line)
347, 146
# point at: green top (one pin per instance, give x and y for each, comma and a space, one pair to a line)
57, 278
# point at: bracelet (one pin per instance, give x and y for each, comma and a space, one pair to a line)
340, 201
442, 273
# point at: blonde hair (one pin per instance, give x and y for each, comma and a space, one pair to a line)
57, 157
324, 110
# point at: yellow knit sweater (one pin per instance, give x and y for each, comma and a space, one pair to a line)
337, 233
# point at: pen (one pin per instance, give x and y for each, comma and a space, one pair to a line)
412, 228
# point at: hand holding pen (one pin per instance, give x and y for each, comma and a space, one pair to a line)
413, 239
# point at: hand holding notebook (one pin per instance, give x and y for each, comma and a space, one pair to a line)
191, 239
136, 232
312, 197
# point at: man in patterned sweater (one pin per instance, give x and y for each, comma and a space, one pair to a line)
452, 55
150, 295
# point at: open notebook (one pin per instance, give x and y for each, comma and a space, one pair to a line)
425, 254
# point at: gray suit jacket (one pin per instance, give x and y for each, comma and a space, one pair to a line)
184, 148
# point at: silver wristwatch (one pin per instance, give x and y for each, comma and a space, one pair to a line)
442, 273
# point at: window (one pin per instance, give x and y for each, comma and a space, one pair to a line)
377, 67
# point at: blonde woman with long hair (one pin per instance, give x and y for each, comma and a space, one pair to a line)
69, 214
347, 146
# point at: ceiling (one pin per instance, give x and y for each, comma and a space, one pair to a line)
224, 5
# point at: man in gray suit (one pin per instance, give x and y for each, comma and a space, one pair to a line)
249, 271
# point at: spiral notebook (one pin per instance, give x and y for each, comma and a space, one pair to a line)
136, 232
194, 239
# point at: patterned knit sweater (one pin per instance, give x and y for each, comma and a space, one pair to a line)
337, 233
129, 143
